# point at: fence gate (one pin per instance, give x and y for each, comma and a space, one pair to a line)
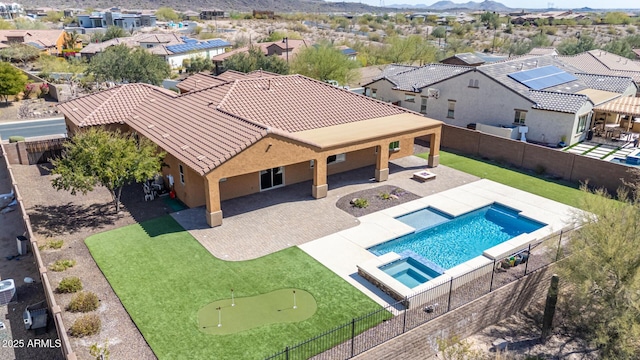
43, 151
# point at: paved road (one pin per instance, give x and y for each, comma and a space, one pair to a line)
31, 128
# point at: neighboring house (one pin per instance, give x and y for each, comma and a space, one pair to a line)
212, 14
348, 52
173, 48
549, 100
252, 135
467, 59
201, 81
285, 49
105, 19
543, 51
605, 63
10, 11
48, 41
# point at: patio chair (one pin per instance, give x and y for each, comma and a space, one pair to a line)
149, 193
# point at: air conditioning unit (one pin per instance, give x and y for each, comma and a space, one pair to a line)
433, 93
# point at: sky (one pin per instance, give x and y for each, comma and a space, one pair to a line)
518, 4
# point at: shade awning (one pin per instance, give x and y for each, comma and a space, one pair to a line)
625, 106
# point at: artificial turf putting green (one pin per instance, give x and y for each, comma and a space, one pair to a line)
254, 311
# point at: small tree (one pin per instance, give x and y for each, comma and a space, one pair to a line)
19, 52
603, 274
106, 158
166, 14
114, 32
254, 59
122, 64
323, 62
12, 81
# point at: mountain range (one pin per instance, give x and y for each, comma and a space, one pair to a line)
487, 5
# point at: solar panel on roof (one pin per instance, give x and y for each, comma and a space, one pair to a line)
543, 77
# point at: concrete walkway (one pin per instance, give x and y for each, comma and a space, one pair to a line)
266, 222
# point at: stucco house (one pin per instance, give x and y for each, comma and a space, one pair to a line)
48, 41
548, 100
257, 133
604, 63
286, 50
173, 48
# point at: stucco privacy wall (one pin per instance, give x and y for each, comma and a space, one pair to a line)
568, 166
421, 343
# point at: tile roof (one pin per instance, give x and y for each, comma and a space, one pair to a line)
46, 38
294, 45
95, 48
393, 69
165, 44
204, 128
555, 101
543, 51
468, 58
604, 63
193, 45
618, 84
423, 76
199, 81
297, 103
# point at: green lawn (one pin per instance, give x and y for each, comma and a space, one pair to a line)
163, 276
562, 192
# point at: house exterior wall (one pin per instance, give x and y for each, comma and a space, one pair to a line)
176, 60
490, 103
191, 191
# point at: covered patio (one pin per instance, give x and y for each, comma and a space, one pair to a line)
621, 118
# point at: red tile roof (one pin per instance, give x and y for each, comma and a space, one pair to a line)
199, 81
204, 128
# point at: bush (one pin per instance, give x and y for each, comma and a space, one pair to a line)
13, 139
85, 325
84, 301
360, 203
62, 265
385, 196
69, 285
52, 244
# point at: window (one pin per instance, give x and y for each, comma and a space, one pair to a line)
271, 178
473, 83
423, 105
520, 117
582, 122
374, 93
336, 158
181, 174
452, 109
394, 146
410, 98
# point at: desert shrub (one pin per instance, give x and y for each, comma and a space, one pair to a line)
62, 265
360, 203
398, 192
85, 325
52, 244
84, 301
384, 196
69, 285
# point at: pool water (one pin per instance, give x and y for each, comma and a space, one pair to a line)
410, 272
623, 161
458, 239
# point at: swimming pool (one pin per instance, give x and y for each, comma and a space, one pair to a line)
449, 241
410, 272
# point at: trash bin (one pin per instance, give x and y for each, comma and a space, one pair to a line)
23, 245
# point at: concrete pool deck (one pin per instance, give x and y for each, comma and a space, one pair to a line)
343, 251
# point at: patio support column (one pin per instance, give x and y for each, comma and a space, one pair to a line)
319, 187
434, 149
382, 163
212, 194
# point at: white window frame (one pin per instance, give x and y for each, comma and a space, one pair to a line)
374, 93
520, 116
273, 186
451, 110
339, 158
394, 145
583, 120
423, 105
408, 97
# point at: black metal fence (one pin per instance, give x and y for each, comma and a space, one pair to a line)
373, 329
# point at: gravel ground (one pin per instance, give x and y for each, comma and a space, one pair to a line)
375, 200
60, 215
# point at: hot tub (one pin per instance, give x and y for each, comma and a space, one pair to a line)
7, 291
